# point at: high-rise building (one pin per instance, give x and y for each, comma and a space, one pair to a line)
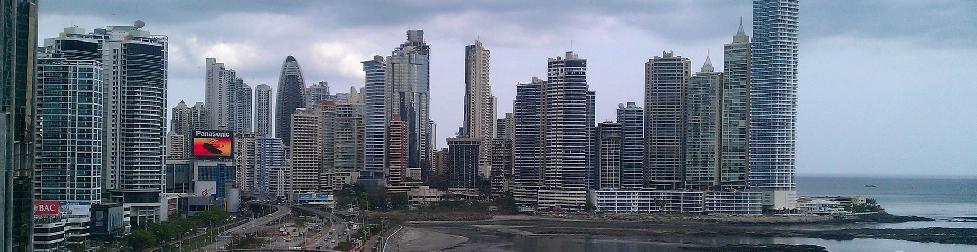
180, 119
242, 107
327, 143
18, 24
271, 168
568, 132
408, 98
501, 174
439, 167
631, 118
305, 152
244, 161
463, 155
262, 111
609, 146
666, 84
291, 86
773, 102
220, 94
735, 136
348, 142
396, 152
134, 66
528, 155
591, 178
177, 147
374, 135
316, 93
702, 129
505, 127
198, 118
68, 163
479, 103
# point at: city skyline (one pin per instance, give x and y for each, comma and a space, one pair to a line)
833, 136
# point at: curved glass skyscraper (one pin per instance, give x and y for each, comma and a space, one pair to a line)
773, 101
290, 96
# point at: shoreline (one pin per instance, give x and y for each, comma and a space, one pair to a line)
676, 226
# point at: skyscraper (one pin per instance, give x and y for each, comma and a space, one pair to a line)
567, 132
375, 126
198, 118
609, 146
396, 151
773, 101
291, 86
305, 151
69, 140
180, 119
631, 118
220, 94
18, 24
316, 93
702, 128
528, 155
262, 111
348, 142
134, 66
244, 161
408, 97
666, 84
591, 179
736, 112
242, 107
479, 102
462, 170
271, 167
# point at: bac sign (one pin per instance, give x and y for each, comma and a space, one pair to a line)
47, 207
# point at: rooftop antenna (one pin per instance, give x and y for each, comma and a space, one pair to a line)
571, 45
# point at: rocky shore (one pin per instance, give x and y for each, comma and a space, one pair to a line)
708, 226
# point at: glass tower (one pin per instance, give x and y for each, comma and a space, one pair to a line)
773, 101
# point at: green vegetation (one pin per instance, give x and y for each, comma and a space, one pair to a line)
343, 245
250, 242
870, 206
160, 233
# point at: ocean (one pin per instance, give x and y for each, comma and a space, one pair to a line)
937, 198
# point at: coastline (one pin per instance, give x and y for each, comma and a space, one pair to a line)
501, 232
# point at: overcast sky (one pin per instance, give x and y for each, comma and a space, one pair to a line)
885, 87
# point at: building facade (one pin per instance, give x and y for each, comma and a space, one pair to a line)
272, 168
290, 96
407, 96
666, 84
262, 111
773, 102
305, 152
631, 118
479, 103
702, 129
68, 162
736, 112
610, 139
463, 162
374, 135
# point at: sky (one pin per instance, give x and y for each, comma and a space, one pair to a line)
885, 87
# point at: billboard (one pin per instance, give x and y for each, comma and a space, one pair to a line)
47, 207
213, 144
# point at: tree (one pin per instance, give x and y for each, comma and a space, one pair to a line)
142, 238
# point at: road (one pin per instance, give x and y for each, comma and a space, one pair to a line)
250, 227
338, 231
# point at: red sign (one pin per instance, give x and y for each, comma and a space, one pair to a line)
47, 207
